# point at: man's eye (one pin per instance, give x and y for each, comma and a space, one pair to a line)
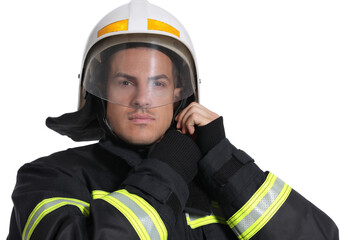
159, 84
125, 83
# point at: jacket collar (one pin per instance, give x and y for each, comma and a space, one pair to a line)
128, 153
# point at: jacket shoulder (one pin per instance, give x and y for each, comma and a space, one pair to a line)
73, 157
91, 165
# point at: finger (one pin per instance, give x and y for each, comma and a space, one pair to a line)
183, 117
194, 114
190, 124
180, 116
193, 117
198, 115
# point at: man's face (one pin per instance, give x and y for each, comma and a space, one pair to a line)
141, 80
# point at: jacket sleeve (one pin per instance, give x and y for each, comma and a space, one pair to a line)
257, 204
52, 203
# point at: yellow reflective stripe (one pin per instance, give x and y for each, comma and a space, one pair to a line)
121, 25
260, 208
252, 202
96, 194
141, 215
155, 217
134, 221
161, 26
216, 216
47, 206
204, 220
268, 214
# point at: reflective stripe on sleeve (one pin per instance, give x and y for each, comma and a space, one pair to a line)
141, 215
216, 216
261, 207
47, 206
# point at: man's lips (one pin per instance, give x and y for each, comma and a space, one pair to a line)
141, 118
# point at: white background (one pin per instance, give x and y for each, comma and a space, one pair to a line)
284, 74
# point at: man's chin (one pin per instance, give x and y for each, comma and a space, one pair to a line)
140, 140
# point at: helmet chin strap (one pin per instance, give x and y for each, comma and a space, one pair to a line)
101, 116
182, 104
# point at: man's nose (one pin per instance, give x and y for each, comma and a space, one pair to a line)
142, 97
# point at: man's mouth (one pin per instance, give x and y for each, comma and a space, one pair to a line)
141, 118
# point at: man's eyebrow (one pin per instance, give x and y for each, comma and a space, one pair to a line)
161, 76
124, 75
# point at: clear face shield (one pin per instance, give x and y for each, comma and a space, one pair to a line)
140, 71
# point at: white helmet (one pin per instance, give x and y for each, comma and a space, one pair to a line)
135, 24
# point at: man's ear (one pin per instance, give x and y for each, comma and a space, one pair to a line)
177, 94
100, 75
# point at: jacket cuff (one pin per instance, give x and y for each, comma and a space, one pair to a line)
210, 135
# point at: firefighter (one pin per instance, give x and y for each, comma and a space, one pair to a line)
163, 167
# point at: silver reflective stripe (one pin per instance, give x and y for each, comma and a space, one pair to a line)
140, 213
47, 206
260, 208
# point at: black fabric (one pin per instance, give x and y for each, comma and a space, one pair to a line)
81, 125
210, 135
299, 219
237, 161
14, 231
63, 227
134, 154
180, 152
174, 204
227, 171
199, 201
242, 156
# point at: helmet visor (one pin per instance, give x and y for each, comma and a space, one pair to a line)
140, 71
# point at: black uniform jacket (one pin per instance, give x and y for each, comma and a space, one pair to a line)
105, 191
